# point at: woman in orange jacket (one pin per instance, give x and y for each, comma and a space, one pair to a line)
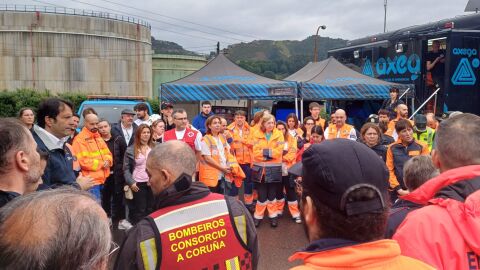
287, 188
267, 150
213, 166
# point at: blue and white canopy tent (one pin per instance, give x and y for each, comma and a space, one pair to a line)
221, 79
331, 80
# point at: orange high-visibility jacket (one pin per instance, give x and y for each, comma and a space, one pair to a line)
375, 255
275, 144
240, 144
291, 156
208, 174
92, 152
344, 131
320, 122
391, 126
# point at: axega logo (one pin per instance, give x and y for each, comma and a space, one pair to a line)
464, 74
393, 67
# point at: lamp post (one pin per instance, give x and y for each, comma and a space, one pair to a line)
385, 3
316, 38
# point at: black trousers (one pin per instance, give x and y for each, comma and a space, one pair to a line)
289, 186
266, 191
142, 203
107, 195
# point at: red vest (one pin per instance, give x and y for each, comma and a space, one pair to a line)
200, 235
188, 137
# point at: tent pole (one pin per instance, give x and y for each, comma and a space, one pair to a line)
301, 110
296, 106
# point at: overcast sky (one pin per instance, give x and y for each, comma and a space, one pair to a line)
246, 20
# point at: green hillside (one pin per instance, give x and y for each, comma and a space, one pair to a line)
269, 58
278, 59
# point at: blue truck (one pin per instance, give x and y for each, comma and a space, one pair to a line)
110, 107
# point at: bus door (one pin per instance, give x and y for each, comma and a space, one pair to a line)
434, 62
463, 72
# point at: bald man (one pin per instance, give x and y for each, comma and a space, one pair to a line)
93, 155
341, 129
402, 113
432, 122
187, 211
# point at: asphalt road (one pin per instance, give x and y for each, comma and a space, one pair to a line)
276, 244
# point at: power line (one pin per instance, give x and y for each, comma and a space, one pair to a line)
160, 21
156, 28
181, 20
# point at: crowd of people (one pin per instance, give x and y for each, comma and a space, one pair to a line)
396, 194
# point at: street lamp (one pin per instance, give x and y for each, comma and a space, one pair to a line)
316, 38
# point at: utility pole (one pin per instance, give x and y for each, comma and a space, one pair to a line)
316, 38
385, 17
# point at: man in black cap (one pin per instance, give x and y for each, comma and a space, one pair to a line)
422, 132
345, 208
123, 134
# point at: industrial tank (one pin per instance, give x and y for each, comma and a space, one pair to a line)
63, 50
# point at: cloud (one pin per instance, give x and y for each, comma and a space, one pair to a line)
246, 20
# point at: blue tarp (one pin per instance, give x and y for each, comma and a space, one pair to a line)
221, 79
331, 80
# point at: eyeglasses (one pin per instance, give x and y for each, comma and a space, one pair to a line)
309, 124
113, 247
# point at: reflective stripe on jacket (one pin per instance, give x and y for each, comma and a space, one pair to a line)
197, 235
240, 144
91, 152
208, 174
426, 137
271, 169
397, 155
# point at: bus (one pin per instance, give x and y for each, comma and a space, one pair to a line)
401, 56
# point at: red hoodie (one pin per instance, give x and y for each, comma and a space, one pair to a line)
446, 232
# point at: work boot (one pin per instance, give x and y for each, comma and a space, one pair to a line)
274, 222
257, 221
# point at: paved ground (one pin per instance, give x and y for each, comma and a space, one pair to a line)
276, 244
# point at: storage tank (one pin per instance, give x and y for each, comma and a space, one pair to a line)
63, 49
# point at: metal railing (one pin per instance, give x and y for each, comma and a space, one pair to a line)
425, 103
73, 11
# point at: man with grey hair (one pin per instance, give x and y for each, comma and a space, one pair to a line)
341, 129
445, 232
20, 168
54, 229
416, 171
191, 227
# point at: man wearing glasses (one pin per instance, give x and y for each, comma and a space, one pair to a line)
182, 133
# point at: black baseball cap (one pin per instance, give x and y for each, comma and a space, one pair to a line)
128, 111
331, 170
420, 121
166, 105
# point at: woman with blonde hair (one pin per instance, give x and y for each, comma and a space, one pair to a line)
267, 168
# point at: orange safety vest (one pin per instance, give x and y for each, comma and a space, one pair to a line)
207, 174
391, 126
344, 131
269, 170
239, 145
92, 152
197, 235
320, 122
